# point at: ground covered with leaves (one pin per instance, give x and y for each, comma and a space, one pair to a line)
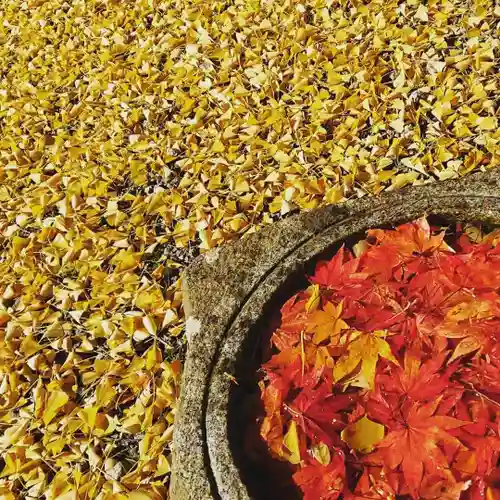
135, 134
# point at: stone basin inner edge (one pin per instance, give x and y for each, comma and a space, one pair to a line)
225, 472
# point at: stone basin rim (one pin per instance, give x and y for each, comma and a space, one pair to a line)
478, 199
218, 391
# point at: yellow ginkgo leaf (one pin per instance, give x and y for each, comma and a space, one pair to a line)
421, 13
363, 435
291, 441
142, 495
281, 157
487, 123
218, 146
18, 244
68, 495
150, 324
314, 298
321, 453
105, 392
153, 357
162, 467
88, 415
57, 399
398, 125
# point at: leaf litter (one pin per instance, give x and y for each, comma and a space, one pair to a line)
136, 134
403, 401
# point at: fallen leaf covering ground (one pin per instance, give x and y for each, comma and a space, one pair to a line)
135, 134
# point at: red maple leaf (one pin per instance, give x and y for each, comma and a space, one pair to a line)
478, 435
481, 490
477, 268
293, 319
373, 485
341, 272
317, 410
410, 239
322, 482
413, 443
443, 487
484, 376
415, 381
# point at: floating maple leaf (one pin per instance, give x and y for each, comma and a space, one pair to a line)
413, 443
340, 272
484, 374
317, 411
320, 482
363, 349
442, 486
326, 323
293, 318
372, 485
417, 380
478, 336
412, 238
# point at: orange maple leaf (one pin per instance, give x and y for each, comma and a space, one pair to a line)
413, 443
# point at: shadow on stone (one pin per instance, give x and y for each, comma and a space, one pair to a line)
265, 477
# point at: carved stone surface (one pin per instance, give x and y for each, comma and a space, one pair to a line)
227, 293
